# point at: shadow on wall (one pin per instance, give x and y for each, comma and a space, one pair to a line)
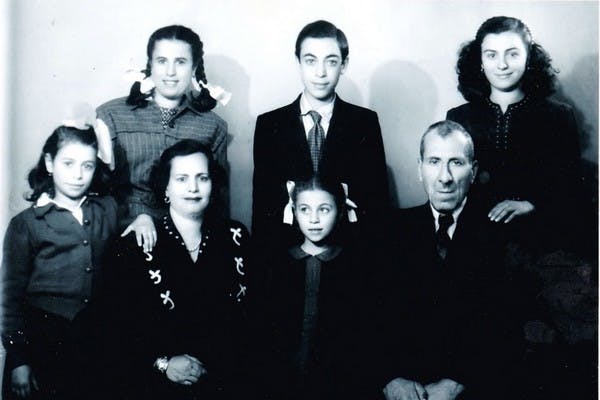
579, 89
349, 91
228, 73
405, 98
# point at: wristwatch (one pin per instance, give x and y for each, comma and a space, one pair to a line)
161, 364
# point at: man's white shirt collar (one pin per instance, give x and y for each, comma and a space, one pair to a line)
326, 112
455, 215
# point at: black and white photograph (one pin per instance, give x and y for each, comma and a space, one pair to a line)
299, 200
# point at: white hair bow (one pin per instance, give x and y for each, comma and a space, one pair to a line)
350, 205
83, 116
146, 83
288, 214
215, 91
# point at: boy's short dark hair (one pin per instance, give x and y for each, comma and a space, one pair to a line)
323, 29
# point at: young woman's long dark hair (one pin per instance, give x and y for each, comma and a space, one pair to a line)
40, 180
202, 102
539, 79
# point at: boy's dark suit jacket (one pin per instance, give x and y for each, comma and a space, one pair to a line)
353, 154
444, 320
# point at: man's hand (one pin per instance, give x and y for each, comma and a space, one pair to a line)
508, 209
145, 232
403, 389
445, 389
185, 369
22, 381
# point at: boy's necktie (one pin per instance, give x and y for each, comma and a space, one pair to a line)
316, 137
442, 239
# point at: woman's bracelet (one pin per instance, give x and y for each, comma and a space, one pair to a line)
161, 364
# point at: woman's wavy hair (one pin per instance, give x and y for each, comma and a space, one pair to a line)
539, 79
41, 181
202, 102
161, 174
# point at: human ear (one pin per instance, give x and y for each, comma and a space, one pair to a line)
474, 168
48, 162
420, 162
345, 64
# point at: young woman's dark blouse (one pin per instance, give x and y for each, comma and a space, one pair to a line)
530, 152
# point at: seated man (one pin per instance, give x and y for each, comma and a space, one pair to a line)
443, 326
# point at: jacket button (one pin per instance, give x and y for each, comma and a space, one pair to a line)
88, 269
86, 221
86, 301
85, 242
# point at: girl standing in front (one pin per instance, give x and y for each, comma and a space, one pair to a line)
52, 270
313, 294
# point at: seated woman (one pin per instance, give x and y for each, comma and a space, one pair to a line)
170, 103
527, 143
180, 308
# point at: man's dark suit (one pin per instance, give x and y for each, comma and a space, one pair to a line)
444, 319
353, 154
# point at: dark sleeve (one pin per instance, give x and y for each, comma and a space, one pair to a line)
136, 203
17, 265
373, 172
265, 179
560, 182
129, 335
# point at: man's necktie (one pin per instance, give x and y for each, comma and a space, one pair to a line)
316, 138
442, 239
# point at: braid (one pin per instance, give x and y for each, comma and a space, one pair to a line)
203, 102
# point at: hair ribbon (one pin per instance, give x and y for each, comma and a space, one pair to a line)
350, 205
288, 214
83, 117
216, 92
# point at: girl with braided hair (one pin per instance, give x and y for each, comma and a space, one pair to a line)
170, 102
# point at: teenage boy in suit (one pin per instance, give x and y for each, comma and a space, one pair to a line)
318, 133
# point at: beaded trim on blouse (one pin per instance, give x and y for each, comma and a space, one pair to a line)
173, 232
501, 133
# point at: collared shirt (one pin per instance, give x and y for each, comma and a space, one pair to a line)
76, 211
139, 138
325, 111
53, 263
455, 215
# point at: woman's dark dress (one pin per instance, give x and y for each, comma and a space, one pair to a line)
169, 305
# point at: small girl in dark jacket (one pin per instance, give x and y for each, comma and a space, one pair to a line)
313, 294
52, 269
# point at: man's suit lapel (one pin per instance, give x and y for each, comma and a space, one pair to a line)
337, 126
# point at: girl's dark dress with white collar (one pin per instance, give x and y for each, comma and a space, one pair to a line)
170, 305
313, 305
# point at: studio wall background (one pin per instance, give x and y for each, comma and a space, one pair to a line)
402, 57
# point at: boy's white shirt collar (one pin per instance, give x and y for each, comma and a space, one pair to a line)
326, 112
77, 212
455, 215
